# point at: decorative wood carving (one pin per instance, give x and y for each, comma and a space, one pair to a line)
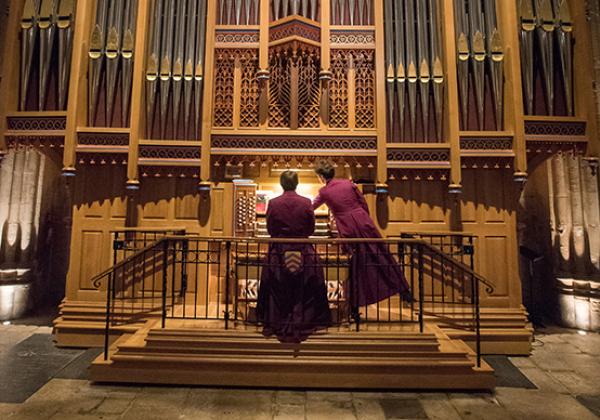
232, 38
414, 155
169, 152
280, 90
36, 123
249, 90
364, 64
352, 39
555, 128
486, 143
338, 89
223, 88
103, 139
296, 142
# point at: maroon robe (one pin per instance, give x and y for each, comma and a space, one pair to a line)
292, 297
375, 273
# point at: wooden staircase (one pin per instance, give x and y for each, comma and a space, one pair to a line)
391, 358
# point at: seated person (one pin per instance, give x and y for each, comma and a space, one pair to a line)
292, 297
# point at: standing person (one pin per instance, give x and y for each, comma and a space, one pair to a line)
292, 297
375, 274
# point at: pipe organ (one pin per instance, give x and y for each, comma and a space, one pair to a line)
419, 101
546, 38
479, 53
414, 69
46, 28
175, 69
111, 62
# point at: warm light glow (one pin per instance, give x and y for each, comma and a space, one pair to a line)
581, 332
6, 322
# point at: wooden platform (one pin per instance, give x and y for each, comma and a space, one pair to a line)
196, 353
503, 330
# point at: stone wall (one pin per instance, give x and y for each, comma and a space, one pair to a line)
33, 231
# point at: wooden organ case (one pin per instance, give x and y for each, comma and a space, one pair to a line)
444, 105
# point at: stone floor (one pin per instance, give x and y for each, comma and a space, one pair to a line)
561, 381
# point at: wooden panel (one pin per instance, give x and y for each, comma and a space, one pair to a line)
93, 255
155, 199
186, 200
468, 202
400, 204
496, 262
431, 202
491, 186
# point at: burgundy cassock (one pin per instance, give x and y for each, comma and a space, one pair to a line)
375, 273
292, 297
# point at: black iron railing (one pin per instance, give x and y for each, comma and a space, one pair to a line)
218, 279
127, 241
458, 245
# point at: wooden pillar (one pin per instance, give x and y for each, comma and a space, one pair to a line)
207, 102
583, 68
325, 60
452, 120
263, 64
10, 68
137, 117
514, 109
77, 105
380, 108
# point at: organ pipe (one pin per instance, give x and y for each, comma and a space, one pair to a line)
29, 30
65, 47
47, 28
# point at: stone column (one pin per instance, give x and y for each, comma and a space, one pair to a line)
575, 220
21, 181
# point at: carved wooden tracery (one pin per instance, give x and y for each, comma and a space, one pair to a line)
223, 101
229, 65
338, 89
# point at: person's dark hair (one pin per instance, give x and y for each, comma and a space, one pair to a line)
288, 180
325, 169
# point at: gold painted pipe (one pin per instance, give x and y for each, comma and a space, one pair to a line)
47, 28
565, 47
527, 30
400, 66
478, 57
96, 57
424, 66
463, 58
113, 47
411, 64
166, 61
188, 69
178, 62
495, 54
152, 67
545, 32
64, 23
199, 67
29, 30
389, 63
437, 67
127, 47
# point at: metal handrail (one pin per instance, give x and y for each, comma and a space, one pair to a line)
420, 248
110, 270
